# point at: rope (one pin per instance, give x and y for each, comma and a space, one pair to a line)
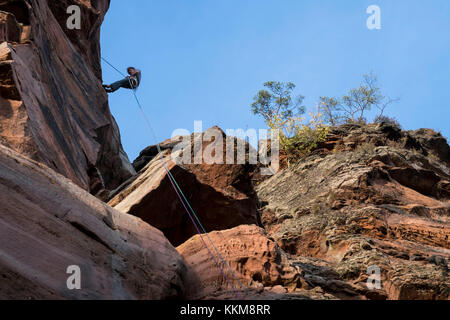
172, 179
182, 197
120, 72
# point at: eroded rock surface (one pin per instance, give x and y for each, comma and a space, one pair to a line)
53, 108
259, 268
221, 194
47, 224
371, 197
379, 198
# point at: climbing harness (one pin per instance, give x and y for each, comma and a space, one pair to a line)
134, 83
187, 206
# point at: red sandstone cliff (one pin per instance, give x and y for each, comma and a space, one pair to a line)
52, 106
55, 119
369, 196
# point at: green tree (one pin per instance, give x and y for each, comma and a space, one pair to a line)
354, 106
284, 113
276, 102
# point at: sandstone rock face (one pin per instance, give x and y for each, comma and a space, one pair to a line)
85, 40
254, 259
47, 224
262, 270
371, 198
378, 199
53, 108
9, 27
435, 144
221, 194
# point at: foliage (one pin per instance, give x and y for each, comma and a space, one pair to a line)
353, 107
277, 102
298, 137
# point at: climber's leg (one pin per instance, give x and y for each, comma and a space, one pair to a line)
124, 83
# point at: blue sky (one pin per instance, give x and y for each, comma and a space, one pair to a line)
206, 59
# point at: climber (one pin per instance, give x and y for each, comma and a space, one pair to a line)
132, 81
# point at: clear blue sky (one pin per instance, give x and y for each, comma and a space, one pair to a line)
206, 59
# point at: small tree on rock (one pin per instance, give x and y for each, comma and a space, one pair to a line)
276, 102
353, 107
283, 112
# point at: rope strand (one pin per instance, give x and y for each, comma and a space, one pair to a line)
185, 202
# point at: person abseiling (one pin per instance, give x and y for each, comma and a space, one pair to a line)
132, 81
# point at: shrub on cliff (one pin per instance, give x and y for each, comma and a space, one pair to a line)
353, 107
298, 136
388, 120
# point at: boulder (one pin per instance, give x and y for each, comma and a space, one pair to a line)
221, 195
48, 224
258, 268
434, 142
